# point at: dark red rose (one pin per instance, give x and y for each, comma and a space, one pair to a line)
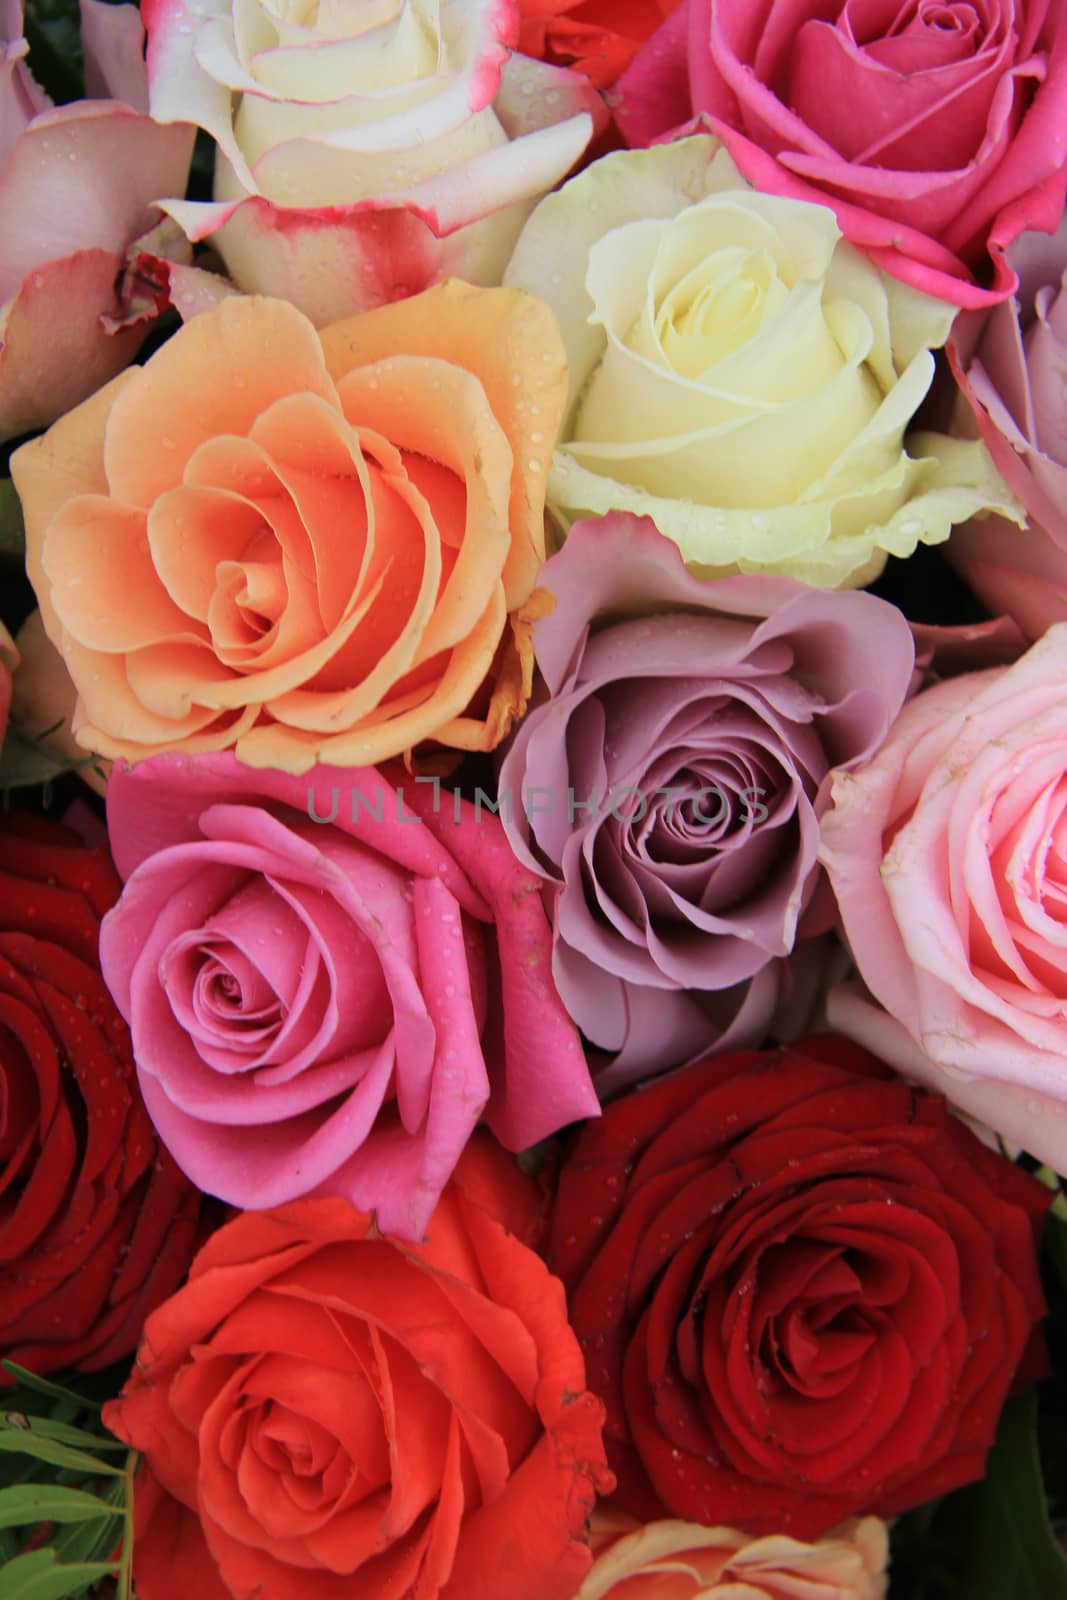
97, 1226
803, 1289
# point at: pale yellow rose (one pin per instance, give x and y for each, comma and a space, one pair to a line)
741, 374
683, 1561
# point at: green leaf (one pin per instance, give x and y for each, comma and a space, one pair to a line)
1055, 1237
50, 1428
1056, 1243
31, 1380
87, 1541
27, 1441
12, 532
53, 31
38, 1576
1011, 1552
25, 1505
24, 763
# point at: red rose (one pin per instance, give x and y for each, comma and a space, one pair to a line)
597, 37
803, 1289
97, 1225
328, 1414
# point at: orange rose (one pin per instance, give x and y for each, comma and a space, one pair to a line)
326, 1413
309, 546
704, 1563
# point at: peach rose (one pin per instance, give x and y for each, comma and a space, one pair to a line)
705, 1563
309, 547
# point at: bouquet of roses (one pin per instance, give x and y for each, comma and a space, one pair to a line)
533, 886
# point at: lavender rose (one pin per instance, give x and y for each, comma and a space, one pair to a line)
669, 785
1012, 369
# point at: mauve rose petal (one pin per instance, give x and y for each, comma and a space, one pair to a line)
1013, 377
662, 1023
680, 707
1046, 361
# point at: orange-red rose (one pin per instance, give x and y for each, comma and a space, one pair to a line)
328, 1414
597, 37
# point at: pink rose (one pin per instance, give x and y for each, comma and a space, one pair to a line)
936, 129
76, 190
327, 1006
948, 858
1012, 368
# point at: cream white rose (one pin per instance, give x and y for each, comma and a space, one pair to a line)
741, 374
365, 148
632, 1561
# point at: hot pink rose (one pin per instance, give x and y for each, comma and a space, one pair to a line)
76, 190
936, 129
1012, 366
948, 857
326, 1007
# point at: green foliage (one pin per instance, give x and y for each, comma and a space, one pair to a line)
26, 761
53, 32
992, 1540
12, 533
66, 1494
1001, 1539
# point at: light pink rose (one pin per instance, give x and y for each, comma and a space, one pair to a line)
77, 184
365, 152
936, 129
1012, 370
948, 858
326, 1007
